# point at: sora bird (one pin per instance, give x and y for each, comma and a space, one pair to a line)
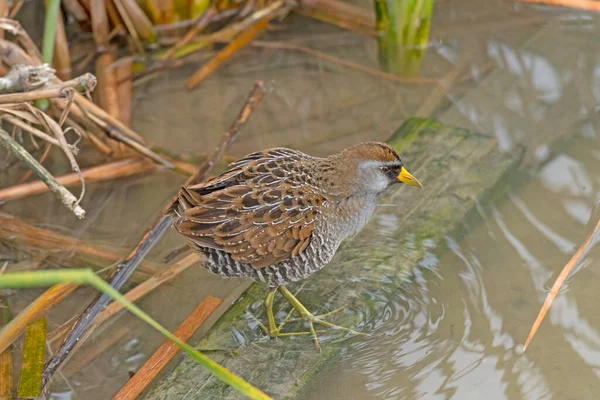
279, 215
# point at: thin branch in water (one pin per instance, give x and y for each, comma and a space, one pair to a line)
99, 173
558, 284
59, 190
240, 41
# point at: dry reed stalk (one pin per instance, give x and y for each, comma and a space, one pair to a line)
240, 41
558, 284
14, 9
107, 84
32, 364
100, 27
133, 295
62, 56
100, 173
587, 5
198, 26
138, 18
76, 10
113, 16
167, 350
124, 74
95, 351
12, 228
33, 311
3, 14
160, 11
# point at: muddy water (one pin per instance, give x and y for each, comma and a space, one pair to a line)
456, 331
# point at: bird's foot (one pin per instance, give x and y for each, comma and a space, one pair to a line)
311, 319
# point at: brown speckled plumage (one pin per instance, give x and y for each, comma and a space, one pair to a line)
279, 215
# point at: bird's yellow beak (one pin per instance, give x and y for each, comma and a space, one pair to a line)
406, 177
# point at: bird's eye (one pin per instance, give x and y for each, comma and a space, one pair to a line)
385, 169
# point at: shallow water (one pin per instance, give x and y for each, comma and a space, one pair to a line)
456, 331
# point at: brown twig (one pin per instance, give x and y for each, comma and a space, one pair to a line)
240, 41
100, 173
558, 284
62, 57
149, 239
167, 350
201, 23
588, 5
124, 75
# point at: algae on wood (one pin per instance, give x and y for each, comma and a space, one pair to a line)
30, 379
456, 167
6, 361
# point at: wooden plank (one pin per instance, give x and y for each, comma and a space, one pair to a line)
457, 168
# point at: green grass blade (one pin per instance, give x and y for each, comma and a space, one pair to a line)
52, 7
87, 276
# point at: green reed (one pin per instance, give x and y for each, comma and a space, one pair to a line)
403, 34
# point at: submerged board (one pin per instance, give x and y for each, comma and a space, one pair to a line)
457, 168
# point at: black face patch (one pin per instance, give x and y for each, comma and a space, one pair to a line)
391, 172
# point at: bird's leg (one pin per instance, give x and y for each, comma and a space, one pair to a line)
310, 318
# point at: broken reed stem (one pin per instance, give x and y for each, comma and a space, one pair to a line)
587, 5
240, 41
84, 83
33, 311
133, 295
558, 284
100, 173
32, 364
167, 350
149, 239
62, 57
123, 75
66, 197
